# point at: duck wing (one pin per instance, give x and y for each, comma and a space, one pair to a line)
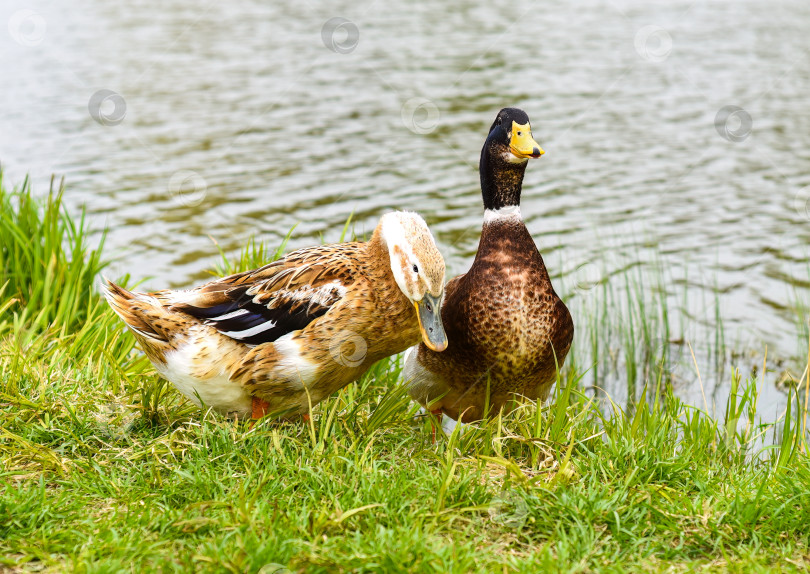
259, 306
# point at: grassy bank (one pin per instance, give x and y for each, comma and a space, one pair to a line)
105, 468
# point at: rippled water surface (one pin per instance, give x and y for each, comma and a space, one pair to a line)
249, 117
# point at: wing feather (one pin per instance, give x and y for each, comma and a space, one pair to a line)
260, 306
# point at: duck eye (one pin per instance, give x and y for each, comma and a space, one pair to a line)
415, 269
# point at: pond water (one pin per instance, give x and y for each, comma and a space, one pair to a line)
677, 135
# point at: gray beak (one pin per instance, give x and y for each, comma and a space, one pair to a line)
429, 311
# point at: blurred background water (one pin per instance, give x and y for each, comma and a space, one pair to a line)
677, 136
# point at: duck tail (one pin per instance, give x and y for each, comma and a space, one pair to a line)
145, 316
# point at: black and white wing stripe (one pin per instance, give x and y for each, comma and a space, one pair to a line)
254, 316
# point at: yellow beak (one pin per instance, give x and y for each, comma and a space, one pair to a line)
522, 143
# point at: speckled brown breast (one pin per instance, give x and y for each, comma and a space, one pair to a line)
504, 323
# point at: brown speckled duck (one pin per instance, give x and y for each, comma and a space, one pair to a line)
508, 329
282, 338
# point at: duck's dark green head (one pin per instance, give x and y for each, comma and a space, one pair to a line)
508, 148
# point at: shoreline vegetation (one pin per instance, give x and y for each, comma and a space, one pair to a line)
105, 467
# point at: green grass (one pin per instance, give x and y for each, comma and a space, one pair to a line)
106, 469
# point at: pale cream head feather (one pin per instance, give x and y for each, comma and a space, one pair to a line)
416, 263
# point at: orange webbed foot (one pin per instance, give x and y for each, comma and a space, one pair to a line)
260, 408
438, 414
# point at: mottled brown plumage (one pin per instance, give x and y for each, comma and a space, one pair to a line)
296, 330
508, 331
